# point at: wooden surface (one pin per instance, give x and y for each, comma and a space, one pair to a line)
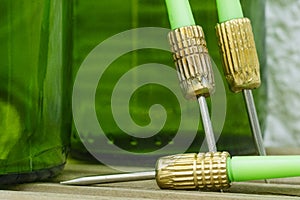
277, 189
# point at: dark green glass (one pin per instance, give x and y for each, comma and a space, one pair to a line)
94, 22
35, 112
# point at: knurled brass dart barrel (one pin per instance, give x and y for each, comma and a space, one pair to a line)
193, 171
192, 60
240, 60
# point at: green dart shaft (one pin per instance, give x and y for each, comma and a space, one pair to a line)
180, 13
229, 9
192, 61
247, 168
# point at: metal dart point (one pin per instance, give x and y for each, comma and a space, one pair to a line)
135, 176
210, 138
256, 131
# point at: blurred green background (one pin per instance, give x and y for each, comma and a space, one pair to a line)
95, 21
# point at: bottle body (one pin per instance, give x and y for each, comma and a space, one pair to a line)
34, 97
235, 136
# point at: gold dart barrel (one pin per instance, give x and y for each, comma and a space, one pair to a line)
192, 61
205, 171
237, 46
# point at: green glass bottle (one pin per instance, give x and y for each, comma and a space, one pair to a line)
95, 23
35, 111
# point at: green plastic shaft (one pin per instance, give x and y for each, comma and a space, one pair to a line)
245, 168
229, 9
180, 13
